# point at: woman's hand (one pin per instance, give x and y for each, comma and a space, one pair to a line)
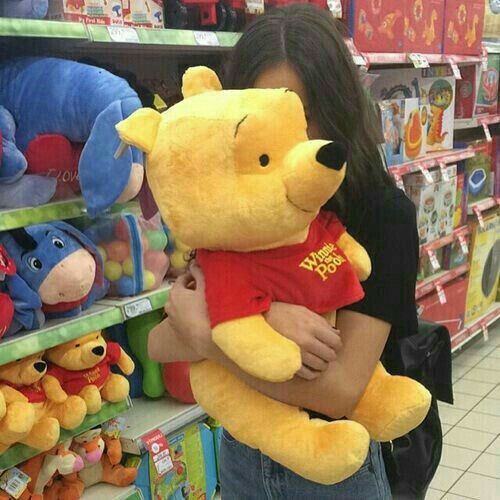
317, 339
187, 311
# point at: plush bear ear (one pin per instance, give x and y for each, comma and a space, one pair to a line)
199, 79
140, 129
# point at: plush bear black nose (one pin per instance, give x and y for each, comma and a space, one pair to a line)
40, 366
332, 155
98, 351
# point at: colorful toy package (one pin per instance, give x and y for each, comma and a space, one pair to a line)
465, 98
108, 12
463, 26
484, 267
460, 215
133, 252
423, 26
487, 95
392, 117
143, 13
479, 174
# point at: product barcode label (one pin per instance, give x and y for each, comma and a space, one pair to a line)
137, 308
441, 294
433, 259
207, 38
14, 482
463, 244
418, 60
487, 132
479, 216
335, 7
455, 69
255, 6
163, 462
444, 172
157, 444
426, 173
122, 34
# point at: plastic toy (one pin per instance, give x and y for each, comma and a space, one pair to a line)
259, 150
83, 367
27, 9
204, 14
50, 101
59, 264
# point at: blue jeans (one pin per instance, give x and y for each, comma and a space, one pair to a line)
247, 474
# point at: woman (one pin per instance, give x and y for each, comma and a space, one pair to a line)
301, 48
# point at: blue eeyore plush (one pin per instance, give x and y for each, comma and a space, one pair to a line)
27, 9
58, 104
58, 263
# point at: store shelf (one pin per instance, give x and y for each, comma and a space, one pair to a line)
469, 332
19, 452
108, 492
492, 46
428, 285
57, 332
146, 416
442, 242
432, 160
476, 122
384, 58
483, 205
34, 28
59, 210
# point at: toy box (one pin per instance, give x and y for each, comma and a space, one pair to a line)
375, 25
423, 26
484, 267
434, 87
143, 13
452, 313
466, 92
415, 121
479, 174
193, 473
108, 12
448, 192
453, 255
460, 214
487, 94
425, 269
463, 26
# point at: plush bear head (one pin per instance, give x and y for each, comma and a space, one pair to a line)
234, 169
26, 371
79, 354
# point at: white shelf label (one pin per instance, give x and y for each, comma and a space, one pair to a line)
418, 60
479, 216
487, 132
441, 294
255, 6
463, 244
433, 259
399, 182
425, 171
206, 38
455, 69
484, 329
137, 308
122, 34
335, 7
444, 171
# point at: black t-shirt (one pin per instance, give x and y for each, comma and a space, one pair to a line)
386, 227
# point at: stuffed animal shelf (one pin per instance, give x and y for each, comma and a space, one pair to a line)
25, 380
65, 114
273, 245
26, 9
59, 265
83, 367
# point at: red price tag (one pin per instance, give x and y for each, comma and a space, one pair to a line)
157, 445
487, 132
441, 294
425, 172
433, 259
479, 216
463, 244
484, 328
399, 181
444, 171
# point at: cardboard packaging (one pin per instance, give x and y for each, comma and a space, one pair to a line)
460, 215
452, 313
376, 25
423, 26
479, 172
425, 269
453, 255
106, 12
466, 92
487, 95
392, 117
463, 26
484, 267
143, 13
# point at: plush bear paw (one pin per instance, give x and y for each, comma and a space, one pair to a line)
17, 422
72, 412
116, 389
44, 435
92, 397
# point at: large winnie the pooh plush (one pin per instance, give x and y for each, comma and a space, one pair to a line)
236, 178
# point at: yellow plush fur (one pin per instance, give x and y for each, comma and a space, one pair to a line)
204, 169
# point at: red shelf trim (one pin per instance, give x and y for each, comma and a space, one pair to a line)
450, 238
429, 285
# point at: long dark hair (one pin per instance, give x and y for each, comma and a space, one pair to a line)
310, 41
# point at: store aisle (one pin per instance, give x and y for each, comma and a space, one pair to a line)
470, 465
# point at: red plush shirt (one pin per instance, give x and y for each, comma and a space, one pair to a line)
33, 392
73, 382
315, 274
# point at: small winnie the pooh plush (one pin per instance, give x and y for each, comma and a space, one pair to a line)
236, 178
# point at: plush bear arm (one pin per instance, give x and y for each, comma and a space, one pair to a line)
125, 363
113, 449
11, 395
258, 349
53, 389
357, 255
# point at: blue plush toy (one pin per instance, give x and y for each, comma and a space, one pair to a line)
59, 264
27, 9
16, 189
53, 99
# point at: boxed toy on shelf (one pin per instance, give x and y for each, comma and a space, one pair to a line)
108, 12
143, 13
466, 91
454, 255
423, 26
426, 269
484, 266
460, 214
487, 94
479, 173
463, 27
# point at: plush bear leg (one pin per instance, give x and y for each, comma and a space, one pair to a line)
115, 389
117, 474
324, 452
44, 434
92, 397
16, 424
391, 406
70, 414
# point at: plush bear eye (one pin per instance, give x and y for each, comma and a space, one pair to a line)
77, 345
264, 160
57, 242
35, 264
